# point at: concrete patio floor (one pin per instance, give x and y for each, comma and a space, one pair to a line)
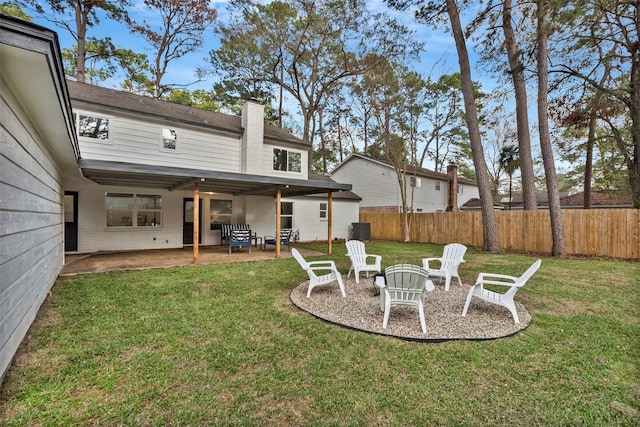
99, 262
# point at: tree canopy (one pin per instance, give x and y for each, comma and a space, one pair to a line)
327, 70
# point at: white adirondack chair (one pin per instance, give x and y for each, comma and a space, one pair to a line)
452, 257
505, 299
357, 253
405, 284
315, 280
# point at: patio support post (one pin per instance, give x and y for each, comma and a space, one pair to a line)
329, 221
196, 225
278, 213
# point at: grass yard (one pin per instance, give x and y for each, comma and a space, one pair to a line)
223, 345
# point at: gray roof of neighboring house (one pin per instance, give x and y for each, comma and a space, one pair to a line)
541, 197
130, 103
609, 199
598, 200
475, 203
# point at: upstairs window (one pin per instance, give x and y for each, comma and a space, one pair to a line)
284, 160
415, 182
93, 127
437, 185
168, 140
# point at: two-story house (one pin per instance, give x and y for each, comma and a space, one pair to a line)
142, 159
86, 169
376, 182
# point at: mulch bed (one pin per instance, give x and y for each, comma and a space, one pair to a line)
443, 312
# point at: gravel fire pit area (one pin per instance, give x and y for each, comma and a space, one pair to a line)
443, 312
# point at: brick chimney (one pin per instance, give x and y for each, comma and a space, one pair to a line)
252, 137
452, 198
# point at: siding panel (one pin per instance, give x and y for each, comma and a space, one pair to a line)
137, 141
30, 225
377, 185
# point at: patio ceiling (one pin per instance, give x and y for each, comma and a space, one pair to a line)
173, 178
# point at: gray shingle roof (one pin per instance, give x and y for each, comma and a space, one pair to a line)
130, 103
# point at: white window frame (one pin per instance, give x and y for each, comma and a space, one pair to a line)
437, 185
168, 135
133, 219
286, 216
215, 218
80, 116
324, 211
287, 160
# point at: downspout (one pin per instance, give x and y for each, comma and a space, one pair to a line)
196, 222
329, 222
278, 214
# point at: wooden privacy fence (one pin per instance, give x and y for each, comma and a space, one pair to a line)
594, 232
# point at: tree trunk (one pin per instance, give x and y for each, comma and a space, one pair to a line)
522, 119
81, 25
281, 95
557, 229
588, 165
405, 214
323, 143
634, 163
489, 225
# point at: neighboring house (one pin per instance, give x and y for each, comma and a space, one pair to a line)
377, 183
89, 169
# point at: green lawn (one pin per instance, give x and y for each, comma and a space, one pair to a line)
223, 345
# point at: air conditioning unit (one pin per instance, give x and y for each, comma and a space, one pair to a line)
361, 230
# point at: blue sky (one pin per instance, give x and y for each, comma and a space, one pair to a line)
440, 49
438, 58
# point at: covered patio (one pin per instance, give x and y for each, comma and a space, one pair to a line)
111, 173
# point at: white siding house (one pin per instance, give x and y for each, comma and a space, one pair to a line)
37, 144
140, 150
87, 169
376, 182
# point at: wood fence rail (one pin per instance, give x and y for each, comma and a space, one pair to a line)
594, 232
